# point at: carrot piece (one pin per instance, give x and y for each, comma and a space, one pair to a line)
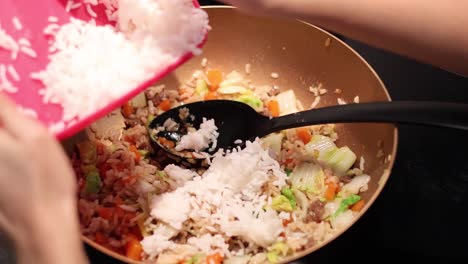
215, 77
304, 134
135, 151
330, 192
100, 148
105, 213
100, 238
127, 109
273, 107
130, 180
211, 96
133, 248
166, 142
287, 221
214, 259
358, 206
165, 105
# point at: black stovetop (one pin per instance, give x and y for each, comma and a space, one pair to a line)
422, 212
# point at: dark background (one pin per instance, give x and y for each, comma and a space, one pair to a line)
422, 214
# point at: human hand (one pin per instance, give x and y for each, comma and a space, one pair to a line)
38, 191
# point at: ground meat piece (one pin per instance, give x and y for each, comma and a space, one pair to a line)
316, 211
346, 179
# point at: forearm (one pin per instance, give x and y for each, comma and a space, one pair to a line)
54, 238
435, 32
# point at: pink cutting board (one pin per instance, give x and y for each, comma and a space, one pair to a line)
34, 18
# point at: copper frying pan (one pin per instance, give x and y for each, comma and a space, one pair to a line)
302, 55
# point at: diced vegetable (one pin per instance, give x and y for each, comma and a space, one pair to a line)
88, 152
139, 100
233, 79
211, 96
201, 88
144, 153
281, 248
323, 150
135, 151
342, 160
288, 172
141, 225
320, 149
214, 259
272, 257
276, 250
342, 220
134, 248
149, 120
346, 203
288, 193
273, 107
287, 102
331, 191
231, 90
195, 259
106, 212
358, 206
166, 142
86, 169
127, 109
281, 203
93, 183
304, 134
356, 185
308, 177
273, 141
215, 77
301, 199
165, 105
251, 100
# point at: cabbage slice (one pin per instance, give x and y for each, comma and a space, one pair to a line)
308, 177
287, 102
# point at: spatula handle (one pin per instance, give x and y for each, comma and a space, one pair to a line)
439, 114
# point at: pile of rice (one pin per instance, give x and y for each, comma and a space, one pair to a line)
92, 65
246, 207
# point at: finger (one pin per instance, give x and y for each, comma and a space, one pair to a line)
6, 225
15, 122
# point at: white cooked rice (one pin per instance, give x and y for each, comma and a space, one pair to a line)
90, 11
85, 54
52, 19
8, 43
24, 42
315, 102
13, 73
17, 23
201, 138
28, 51
5, 84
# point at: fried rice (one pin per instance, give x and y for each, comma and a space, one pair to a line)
276, 197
